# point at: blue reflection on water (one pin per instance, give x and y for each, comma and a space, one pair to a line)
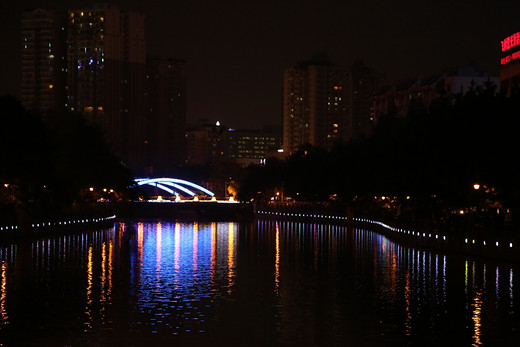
177, 270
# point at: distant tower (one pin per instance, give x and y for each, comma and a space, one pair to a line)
106, 76
43, 61
314, 105
166, 122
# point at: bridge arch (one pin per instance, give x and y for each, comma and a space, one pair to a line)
175, 186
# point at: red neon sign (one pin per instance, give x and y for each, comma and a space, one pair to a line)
509, 58
510, 42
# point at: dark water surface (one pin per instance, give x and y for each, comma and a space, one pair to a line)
265, 283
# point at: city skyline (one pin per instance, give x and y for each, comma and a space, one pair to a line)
236, 52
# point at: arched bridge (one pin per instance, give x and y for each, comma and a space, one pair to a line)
175, 186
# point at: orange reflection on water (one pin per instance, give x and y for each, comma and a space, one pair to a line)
477, 319
103, 271
110, 266
107, 251
408, 300
3, 295
88, 307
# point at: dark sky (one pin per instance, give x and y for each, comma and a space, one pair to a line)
237, 50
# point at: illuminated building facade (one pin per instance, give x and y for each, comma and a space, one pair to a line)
510, 63
106, 76
166, 109
315, 97
251, 146
43, 60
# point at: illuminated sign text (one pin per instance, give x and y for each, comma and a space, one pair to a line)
510, 42
509, 58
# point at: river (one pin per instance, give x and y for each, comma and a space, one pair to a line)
265, 283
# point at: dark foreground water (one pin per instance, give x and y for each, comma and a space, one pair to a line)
265, 283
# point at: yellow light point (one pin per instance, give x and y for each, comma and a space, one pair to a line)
213, 199
195, 198
231, 199
177, 198
476, 186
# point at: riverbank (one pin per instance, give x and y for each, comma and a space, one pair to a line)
30, 222
20, 222
501, 244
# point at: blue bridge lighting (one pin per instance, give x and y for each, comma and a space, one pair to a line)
174, 186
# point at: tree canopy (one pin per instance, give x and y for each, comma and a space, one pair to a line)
52, 159
440, 150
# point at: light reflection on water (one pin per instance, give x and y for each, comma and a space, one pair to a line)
180, 267
268, 282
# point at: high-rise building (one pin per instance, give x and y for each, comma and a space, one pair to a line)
206, 144
251, 146
510, 63
315, 97
166, 122
43, 60
106, 76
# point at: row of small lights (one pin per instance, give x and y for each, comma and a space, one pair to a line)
285, 214
70, 222
399, 230
195, 199
386, 226
485, 244
418, 234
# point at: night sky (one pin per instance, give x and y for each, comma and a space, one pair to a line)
237, 50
